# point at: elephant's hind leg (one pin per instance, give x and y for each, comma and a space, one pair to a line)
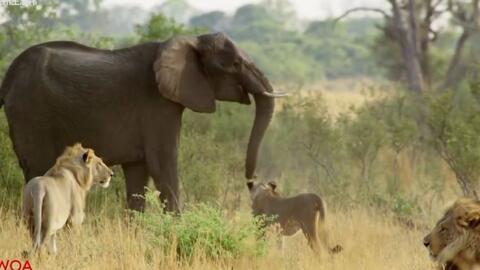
136, 176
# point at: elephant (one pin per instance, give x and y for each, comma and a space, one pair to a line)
127, 104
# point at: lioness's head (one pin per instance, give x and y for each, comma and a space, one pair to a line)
460, 220
256, 188
87, 168
101, 173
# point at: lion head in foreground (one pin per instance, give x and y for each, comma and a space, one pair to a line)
456, 236
87, 168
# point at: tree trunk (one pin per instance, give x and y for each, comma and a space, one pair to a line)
467, 189
408, 47
454, 74
424, 42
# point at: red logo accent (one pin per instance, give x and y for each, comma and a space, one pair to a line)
15, 264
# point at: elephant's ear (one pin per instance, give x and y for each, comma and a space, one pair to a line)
180, 77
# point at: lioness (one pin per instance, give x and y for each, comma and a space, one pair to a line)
455, 239
305, 211
58, 197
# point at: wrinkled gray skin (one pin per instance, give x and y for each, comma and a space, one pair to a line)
127, 104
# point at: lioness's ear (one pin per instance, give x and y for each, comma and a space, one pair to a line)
88, 156
250, 184
273, 185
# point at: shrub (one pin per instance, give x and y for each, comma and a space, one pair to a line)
201, 228
454, 124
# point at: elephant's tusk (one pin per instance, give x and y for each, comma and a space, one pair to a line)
275, 94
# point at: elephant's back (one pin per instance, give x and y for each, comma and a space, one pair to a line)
100, 77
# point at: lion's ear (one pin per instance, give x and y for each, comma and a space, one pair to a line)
468, 214
470, 220
273, 185
88, 156
250, 184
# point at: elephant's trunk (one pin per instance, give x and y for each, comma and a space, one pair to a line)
264, 106
263, 114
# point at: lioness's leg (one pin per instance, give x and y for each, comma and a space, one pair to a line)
281, 243
136, 176
27, 211
52, 244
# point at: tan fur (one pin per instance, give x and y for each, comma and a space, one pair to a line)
304, 212
455, 240
58, 197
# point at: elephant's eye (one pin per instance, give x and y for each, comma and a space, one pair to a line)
236, 64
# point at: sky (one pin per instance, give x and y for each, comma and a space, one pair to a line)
307, 9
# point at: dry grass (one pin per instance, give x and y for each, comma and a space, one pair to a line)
341, 95
370, 241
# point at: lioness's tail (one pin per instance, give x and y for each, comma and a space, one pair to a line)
38, 197
321, 208
320, 218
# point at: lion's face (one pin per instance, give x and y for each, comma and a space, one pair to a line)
256, 188
444, 233
101, 173
459, 222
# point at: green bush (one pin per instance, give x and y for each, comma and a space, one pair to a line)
11, 177
160, 27
201, 228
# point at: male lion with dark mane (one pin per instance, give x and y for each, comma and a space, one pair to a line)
306, 212
455, 239
58, 197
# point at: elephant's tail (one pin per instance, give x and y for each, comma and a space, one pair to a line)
2, 94
4, 88
6, 84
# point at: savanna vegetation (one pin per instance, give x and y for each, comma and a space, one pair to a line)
385, 156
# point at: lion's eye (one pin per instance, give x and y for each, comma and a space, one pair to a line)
443, 229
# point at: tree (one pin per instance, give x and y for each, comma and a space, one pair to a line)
214, 21
86, 15
178, 10
454, 124
159, 27
25, 25
410, 25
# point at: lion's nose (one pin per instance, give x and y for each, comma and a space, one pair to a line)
426, 242
112, 174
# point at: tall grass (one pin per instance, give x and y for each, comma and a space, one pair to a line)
365, 152
370, 240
